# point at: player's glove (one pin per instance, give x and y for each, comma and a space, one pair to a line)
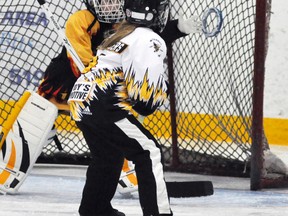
190, 25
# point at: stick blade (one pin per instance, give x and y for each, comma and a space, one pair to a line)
190, 189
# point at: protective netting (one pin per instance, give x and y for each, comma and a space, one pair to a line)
213, 78
212, 73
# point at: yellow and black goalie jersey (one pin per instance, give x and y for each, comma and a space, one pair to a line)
128, 75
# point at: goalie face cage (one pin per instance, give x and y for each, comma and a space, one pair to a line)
206, 126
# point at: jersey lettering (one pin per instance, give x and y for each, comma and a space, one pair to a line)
119, 47
80, 91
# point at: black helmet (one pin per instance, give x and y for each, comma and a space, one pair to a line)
106, 11
150, 13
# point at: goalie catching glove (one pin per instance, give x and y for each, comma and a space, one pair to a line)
28, 132
190, 25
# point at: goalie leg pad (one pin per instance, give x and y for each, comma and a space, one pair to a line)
128, 181
31, 130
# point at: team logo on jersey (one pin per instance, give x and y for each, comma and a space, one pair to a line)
156, 45
118, 47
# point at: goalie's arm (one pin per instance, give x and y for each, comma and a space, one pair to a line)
62, 35
171, 32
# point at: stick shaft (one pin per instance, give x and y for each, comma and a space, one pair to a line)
62, 35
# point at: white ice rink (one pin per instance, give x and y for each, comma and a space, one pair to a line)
56, 191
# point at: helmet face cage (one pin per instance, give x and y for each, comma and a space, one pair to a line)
109, 11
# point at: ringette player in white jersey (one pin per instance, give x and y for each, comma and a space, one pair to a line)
85, 30
126, 74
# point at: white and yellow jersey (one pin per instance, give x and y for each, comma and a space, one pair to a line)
128, 75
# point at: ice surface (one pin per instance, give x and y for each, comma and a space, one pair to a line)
56, 190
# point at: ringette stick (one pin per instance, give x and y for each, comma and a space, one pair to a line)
61, 35
216, 28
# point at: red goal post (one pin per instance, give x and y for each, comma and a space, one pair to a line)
210, 124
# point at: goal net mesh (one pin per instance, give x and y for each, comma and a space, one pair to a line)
212, 74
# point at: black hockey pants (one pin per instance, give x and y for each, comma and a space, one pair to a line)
109, 143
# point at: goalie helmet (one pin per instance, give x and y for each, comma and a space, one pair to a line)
106, 11
90, 6
150, 13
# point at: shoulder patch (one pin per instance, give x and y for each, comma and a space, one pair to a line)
156, 45
118, 47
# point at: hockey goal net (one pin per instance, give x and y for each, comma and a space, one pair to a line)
206, 127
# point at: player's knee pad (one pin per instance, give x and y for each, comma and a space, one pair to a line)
29, 131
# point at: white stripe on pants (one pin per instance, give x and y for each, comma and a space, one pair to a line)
134, 132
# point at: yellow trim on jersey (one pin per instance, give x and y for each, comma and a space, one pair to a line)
143, 91
92, 64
